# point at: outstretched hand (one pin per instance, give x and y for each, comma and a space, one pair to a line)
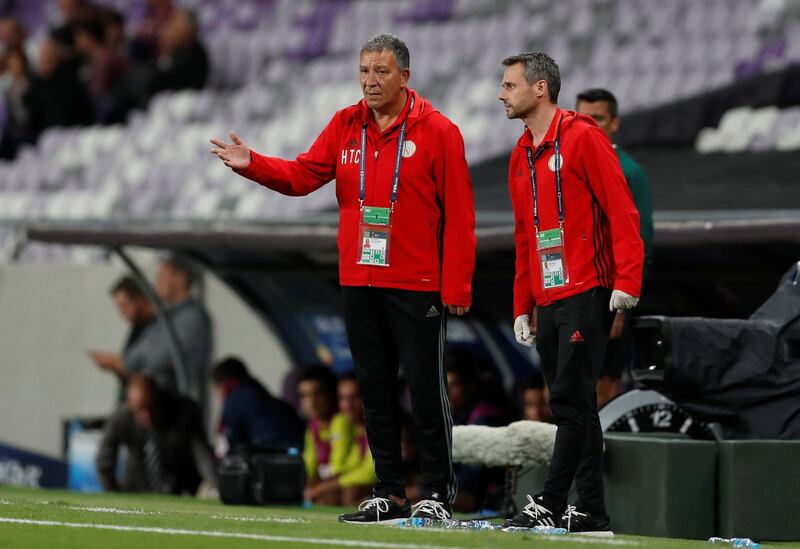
235, 155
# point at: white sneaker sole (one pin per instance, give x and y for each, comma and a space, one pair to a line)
388, 522
598, 534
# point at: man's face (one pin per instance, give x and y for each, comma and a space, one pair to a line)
381, 81
350, 403
169, 283
534, 403
126, 305
456, 391
520, 98
600, 111
140, 403
313, 400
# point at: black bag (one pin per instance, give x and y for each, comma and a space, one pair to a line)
262, 476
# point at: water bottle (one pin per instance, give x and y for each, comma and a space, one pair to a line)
480, 525
736, 542
420, 522
745, 542
549, 530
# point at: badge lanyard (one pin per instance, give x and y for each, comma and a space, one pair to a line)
559, 194
550, 243
362, 176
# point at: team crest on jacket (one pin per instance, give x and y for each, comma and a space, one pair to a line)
409, 148
551, 163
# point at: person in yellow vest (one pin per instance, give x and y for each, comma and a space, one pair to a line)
352, 471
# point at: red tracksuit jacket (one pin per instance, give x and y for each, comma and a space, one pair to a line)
433, 225
601, 223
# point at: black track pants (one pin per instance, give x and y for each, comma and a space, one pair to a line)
387, 328
571, 337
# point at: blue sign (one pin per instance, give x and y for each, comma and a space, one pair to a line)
23, 468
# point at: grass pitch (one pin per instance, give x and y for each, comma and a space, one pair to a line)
60, 519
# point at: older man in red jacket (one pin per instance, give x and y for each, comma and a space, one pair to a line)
406, 257
579, 257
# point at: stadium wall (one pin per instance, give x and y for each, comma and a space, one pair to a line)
50, 315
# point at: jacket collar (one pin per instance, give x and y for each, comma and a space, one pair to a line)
366, 113
526, 139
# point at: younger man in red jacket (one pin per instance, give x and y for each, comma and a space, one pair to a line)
579, 258
406, 256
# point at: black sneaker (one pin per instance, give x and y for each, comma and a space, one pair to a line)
377, 511
432, 509
586, 524
535, 513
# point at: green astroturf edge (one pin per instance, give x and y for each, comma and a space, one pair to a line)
317, 524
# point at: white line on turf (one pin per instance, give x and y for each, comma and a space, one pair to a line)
217, 534
284, 539
111, 510
260, 519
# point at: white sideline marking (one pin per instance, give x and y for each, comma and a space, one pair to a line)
215, 534
260, 519
286, 539
111, 510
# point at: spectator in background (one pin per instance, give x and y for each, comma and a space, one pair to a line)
103, 72
602, 106
114, 31
76, 12
167, 450
190, 320
137, 310
145, 43
316, 387
182, 60
12, 36
474, 400
17, 128
146, 351
352, 468
473, 392
56, 97
251, 416
533, 396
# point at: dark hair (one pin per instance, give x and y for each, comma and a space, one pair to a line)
324, 376
386, 41
538, 66
128, 285
461, 362
184, 266
592, 95
227, 369
349, 375
112, 17
534, 381
93, 27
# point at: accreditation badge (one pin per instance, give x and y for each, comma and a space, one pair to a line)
552, 258
375, 232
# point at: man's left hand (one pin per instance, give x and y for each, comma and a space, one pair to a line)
457, 310
621, 302
107, 361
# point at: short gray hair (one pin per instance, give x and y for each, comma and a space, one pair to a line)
538, 66
386, 41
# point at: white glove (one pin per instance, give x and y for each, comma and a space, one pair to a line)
621, 302
522, 330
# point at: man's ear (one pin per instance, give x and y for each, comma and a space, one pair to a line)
405, 74
541, 89
615, 125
